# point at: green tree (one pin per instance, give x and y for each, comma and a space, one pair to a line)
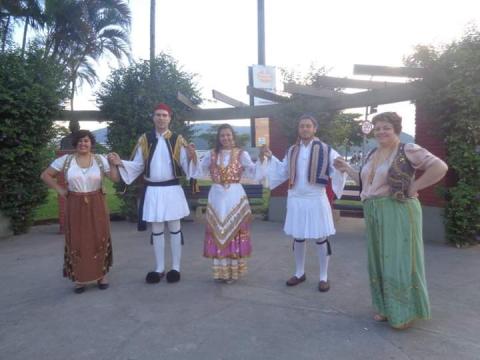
80, 33
127, 98
454, 106
335, 128
31, 93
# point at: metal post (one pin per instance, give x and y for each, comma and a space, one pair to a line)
364, 143
261, 32
152, 31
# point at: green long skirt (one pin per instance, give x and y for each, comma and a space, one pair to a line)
395, 259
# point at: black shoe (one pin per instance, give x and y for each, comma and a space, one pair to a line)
79, 289
173, 276
103, 286
154, 277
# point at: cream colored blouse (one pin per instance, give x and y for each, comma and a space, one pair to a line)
419, 157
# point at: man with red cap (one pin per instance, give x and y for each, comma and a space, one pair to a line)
161, 157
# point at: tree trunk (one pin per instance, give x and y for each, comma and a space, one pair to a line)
5, 33
74, 124
152, 33
24, 41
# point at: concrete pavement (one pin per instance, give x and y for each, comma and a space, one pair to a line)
256, 318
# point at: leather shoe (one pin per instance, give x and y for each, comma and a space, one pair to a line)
323, 286
173, 276
154, 277
296, 280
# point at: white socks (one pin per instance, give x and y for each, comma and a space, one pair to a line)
158, 238
323, 258
159, 246
299, 251
175, 243
299, 248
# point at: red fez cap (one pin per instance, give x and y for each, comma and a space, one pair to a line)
165, 107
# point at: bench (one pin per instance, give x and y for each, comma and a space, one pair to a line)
254, 192
351, 193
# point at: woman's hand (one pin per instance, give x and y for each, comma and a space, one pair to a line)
341, 165
413, 189
62, 192
114, 159
265, 152
191, 151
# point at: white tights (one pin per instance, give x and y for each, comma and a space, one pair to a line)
158, 237
323, 257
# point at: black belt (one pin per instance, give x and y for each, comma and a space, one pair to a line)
141, 224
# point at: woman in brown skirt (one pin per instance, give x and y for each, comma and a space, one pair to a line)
88, 247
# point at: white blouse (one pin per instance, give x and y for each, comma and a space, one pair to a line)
82, 179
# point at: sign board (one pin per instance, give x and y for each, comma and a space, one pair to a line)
265, 78
262, 132
367, 127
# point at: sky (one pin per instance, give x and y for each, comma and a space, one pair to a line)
217, 39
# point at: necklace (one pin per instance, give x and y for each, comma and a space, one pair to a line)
84, 170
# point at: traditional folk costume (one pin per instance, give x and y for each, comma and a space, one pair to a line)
394, 233
88, 246
160, 158
227, 235
309, 214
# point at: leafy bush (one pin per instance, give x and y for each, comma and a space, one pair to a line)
454, 103
31, 91
127, 99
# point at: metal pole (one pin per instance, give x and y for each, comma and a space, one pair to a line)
364, 143
152, 30
261, 32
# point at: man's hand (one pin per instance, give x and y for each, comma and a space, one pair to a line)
114, 159
265, 153
340, 164
191, 151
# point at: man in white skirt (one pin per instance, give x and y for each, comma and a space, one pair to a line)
160, 156
308, 166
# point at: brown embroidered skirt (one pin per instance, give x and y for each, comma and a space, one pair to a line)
88, 247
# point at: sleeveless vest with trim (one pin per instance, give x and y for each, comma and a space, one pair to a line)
318, 163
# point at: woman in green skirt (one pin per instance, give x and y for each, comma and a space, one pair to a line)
393, 218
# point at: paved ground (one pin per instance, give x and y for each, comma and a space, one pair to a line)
257, 318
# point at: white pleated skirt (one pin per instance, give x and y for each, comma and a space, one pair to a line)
164, 203
308, 217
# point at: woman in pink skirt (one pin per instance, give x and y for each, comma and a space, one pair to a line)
227, 235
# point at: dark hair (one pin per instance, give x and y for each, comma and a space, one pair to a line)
80, 134
309, 117
218, 145
391, 117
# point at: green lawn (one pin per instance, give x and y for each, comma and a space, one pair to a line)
49, 210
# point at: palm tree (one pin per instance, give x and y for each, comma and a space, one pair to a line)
10, 11
33, 16
83, 31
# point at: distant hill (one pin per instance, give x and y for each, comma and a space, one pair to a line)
101, 135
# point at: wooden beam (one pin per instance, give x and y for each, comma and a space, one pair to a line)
248, 112
81, 115
336, 82
267, 95
186, 101
389, 95
309, 90
227, 99
376, 70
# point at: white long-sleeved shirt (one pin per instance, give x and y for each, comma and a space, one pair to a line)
160, 166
